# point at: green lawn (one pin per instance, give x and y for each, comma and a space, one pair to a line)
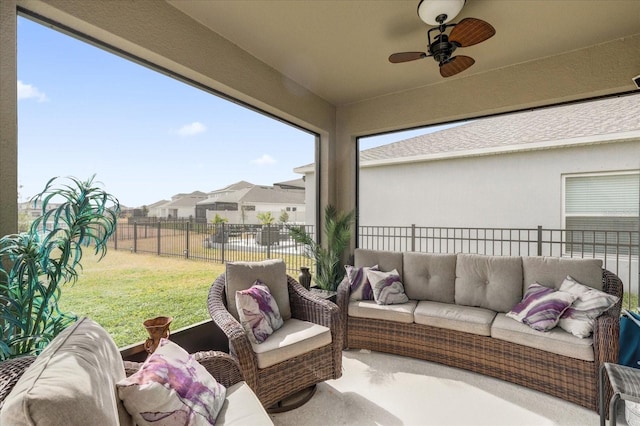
124, 289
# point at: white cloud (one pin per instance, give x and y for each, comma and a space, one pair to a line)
27, 91
192, 129
266, 159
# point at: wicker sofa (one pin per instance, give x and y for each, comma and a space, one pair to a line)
456, 316
73, 383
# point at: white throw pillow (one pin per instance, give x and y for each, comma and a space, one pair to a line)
387, 287
258, 312
172, 388
590, 303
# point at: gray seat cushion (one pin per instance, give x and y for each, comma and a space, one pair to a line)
555, 340
294, 338
429, 276
491, 282
242, 408
551, 271
455, 317
370, 309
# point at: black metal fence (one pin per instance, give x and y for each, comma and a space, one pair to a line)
213, 242
238, 242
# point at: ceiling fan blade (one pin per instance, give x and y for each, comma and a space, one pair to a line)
406, 57
471, 31
455, 65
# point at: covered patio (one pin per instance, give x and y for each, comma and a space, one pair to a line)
323, 66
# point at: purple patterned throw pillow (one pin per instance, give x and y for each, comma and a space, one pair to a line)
387, 287
258, 312
172, 388
541, 307
359, 285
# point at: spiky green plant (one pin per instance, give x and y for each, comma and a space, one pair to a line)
34, 265
337, 231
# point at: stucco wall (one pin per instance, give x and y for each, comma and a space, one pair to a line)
510, 190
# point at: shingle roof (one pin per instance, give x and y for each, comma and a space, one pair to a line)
597, 118
260, 194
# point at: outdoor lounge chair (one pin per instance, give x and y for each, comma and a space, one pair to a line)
306, 350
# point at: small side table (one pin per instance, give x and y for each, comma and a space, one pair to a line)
625, 382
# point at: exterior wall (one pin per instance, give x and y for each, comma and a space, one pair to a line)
510, 190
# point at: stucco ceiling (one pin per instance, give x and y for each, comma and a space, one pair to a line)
339, 49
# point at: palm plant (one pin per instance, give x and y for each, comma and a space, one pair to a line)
337, 231
34, 265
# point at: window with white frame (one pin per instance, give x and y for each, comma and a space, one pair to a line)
602, 212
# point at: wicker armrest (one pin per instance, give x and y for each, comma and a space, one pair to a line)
10, 372
344, 294
220, 365
307, 306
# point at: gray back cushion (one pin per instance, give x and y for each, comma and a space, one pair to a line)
551, 271
242, 275
491, 282
429, 276
386, 260
72, 382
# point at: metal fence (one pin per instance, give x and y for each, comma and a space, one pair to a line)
236, 242
213, 242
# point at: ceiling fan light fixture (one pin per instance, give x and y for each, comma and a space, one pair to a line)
430, 10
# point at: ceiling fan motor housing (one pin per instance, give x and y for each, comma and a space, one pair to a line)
441, 49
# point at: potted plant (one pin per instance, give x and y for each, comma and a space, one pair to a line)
268, 235
337, 231
35, 265
219, 234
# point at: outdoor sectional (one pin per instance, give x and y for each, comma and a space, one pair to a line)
456, 316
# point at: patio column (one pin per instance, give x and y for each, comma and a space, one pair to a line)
8, 118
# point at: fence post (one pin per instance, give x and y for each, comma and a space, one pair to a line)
115, 238
413, 237
268, 241
186, 252
158, 237
224, 232
135, 237
539, 240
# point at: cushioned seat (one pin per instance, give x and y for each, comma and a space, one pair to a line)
294, 338
242, 408
556, 340
455, 317
402, 312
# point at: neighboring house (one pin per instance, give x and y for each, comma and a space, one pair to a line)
155, 209
244, 204
181, 206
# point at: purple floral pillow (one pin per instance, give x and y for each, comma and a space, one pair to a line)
387, 287
172, 388
541, 307
359, 285
590, 303
258, 312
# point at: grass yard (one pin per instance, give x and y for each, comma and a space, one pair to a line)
124, 289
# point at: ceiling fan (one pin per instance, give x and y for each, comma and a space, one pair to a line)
465, 33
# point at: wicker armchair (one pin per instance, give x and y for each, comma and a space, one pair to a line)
276, 382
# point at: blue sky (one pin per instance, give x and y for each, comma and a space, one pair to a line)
146, 136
